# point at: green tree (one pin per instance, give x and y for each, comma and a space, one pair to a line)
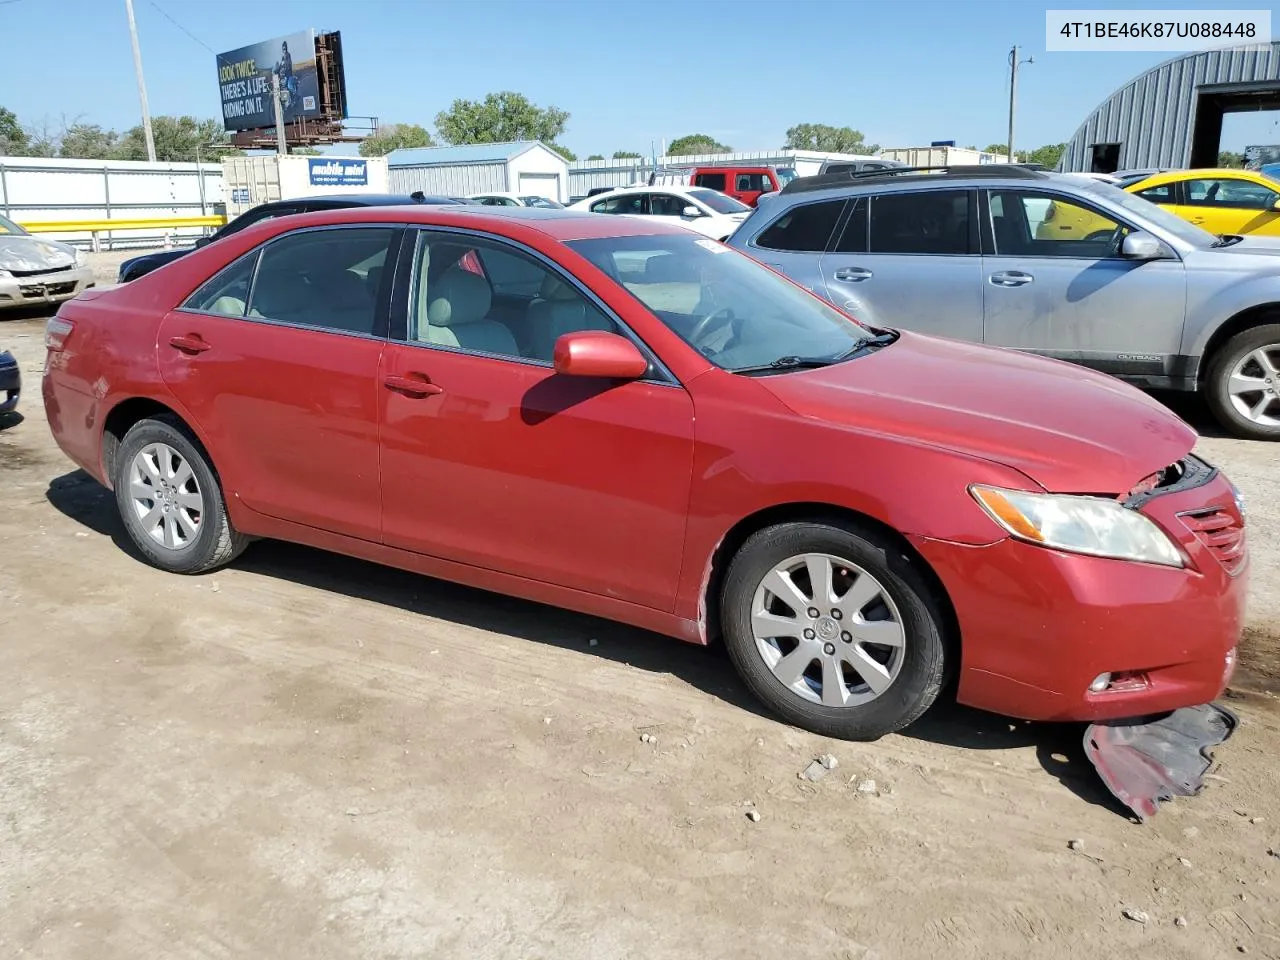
828, 139
500, 118
1228, 159
1050, 155
696, 143
87, 141
394, 136
176, 139
563, 151
596, 156
305, 152
625, 155
13, 139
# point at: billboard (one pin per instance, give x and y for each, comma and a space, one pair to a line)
244, 79
337, 172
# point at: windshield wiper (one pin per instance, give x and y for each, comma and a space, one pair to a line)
786, 363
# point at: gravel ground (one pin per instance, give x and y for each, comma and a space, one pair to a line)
305, 755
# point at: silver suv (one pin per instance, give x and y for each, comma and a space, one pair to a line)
1056, 265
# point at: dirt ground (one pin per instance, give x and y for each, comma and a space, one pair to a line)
309, 756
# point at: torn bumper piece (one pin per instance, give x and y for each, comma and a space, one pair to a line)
1145, 763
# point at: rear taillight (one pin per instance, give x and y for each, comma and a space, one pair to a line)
56, 332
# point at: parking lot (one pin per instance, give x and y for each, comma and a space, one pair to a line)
306, 755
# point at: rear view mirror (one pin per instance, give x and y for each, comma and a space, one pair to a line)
691, 212
1140, 246
597, 353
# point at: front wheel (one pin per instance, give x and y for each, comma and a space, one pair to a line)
835, 628
1242, 383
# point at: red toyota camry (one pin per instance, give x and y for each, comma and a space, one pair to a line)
636, 422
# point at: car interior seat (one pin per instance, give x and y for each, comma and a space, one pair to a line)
559, 309
457, 305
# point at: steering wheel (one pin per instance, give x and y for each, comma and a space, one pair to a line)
712, 319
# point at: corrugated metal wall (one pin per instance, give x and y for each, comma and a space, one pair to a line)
455, 180
587, 174
1152, 117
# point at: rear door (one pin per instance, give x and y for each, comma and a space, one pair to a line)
910, 260
794, 242
1078, 299
1230, 205
276, 360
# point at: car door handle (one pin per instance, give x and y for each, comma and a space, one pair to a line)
853, 274
413, 386
1197, 219
1011, 278
189, 343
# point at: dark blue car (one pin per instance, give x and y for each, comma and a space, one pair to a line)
10, 382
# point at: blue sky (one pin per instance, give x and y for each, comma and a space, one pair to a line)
904, 72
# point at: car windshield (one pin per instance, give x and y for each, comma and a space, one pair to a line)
719, 202
737, 313
8, 226
1166, 221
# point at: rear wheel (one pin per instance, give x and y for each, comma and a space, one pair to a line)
1242, 383
170, 500
835, 628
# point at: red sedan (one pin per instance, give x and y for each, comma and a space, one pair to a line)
635, 422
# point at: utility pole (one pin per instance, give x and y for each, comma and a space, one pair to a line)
142, 87
282, 145
1013, 92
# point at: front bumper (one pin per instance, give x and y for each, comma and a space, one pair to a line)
10, 384
1038, 625
44, 288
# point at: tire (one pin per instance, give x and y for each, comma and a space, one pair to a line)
1242, 359
194, 535
905, 607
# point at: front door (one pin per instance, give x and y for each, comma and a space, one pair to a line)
1074, 297
910, 260
492, 459
283, 381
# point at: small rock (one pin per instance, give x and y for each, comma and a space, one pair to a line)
753, 816
1257, 819
353, 811
1191, 832
1244, 897
546, 720
759, 741
828, 761
1184, 861
1075, 844
81, 533
1242, 948
1179, 921
593, 642
215, 587
1137, 916
815, 771
648, 738
867, 786
1161, 891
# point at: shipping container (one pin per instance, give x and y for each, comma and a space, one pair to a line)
249, 181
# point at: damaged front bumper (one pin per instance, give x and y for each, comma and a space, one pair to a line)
1143, 764
45, 287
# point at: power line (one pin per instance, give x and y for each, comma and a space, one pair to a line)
166, 15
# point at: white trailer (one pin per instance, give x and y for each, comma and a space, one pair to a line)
249, 181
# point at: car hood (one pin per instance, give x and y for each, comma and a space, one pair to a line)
1067, 428
21, 252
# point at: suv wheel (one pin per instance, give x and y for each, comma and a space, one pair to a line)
834, 628
1242, 383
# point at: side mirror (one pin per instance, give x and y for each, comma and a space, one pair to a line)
1276, 206
691, 212
203, 241
1140, 246
597, 353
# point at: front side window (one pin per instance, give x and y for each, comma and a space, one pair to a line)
666, 205
226, 294
1031, 224
736, 312
1230, 193
806, 228
483, 296
328, 279
923, 222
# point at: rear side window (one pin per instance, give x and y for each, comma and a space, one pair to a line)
628, 203
227, 293
1160, 194
927, 221
804, 228
712, 181
853, 238
327, 279
749, 182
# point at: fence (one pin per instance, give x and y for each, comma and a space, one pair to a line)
73, 200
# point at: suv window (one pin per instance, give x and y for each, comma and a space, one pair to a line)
713, 181
227, 291
853, 239
517, 308
926, 221
805, 228
747, 182
629, 203
1225, 192
1031, 224
328, 278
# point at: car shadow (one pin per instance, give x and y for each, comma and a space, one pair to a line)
1059, 747
41, 311
1192, 408
10, 420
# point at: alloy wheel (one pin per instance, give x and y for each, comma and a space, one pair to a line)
828, 630
1254, 383
166, 497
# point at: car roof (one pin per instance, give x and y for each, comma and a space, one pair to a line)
658, 188
558, 224
912, 177
1224, 173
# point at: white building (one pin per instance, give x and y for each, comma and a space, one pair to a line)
525, 167
941, 156
585, 175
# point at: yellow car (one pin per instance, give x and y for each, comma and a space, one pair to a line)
1219, 201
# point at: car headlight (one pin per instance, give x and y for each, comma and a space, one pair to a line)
82, 259
1090, 525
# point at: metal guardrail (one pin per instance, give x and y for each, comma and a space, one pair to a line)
98, 227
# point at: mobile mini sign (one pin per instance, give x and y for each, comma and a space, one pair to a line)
336, 172
244, 80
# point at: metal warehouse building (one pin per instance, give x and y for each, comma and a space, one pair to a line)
1171, 116
526, 167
